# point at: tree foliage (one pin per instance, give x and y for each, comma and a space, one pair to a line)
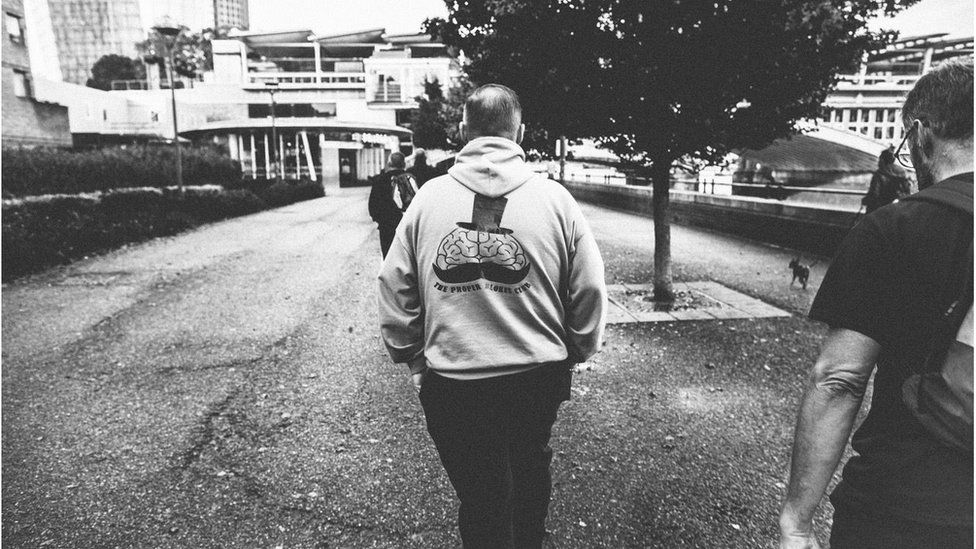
429, 123
548, 51
114, 67
435, 124
658, 80
193, 53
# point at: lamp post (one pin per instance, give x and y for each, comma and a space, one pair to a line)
272, 88
171, 31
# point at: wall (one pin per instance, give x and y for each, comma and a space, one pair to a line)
816, 230
26, 121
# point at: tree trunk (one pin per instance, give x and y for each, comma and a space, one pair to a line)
660, 201
562, 159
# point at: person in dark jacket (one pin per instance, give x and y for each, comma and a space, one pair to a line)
422, 171
889, 183
884, 299
382, 207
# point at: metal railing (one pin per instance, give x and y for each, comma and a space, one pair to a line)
349, 80
130, 84
774, 191
907, 80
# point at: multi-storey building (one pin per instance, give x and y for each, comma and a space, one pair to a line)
27, 121
335, 104
287, 104
85, 30
231, 13
870, 102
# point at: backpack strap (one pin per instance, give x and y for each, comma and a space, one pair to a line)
955, 192
953, 312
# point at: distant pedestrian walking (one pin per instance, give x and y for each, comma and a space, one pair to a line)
889, 183
491, 293
898, 298
422, 171
389, 197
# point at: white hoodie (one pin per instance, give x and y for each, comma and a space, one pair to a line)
493, 271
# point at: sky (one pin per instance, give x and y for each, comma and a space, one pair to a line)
404, 16
341, 16
929, 17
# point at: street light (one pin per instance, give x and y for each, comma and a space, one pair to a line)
272, 88
171, 31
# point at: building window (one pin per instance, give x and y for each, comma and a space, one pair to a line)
260, 111
292, 110
315, 110
404, 116
22, 85
15, 29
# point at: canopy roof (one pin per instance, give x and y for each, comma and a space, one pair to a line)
310, 124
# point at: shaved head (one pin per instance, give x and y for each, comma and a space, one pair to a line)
493, 110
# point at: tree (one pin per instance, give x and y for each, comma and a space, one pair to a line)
656, 81
550, 52
192, 52
430, 123
454, 110
114, 67
435, 123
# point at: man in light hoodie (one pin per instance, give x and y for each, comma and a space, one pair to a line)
492, 290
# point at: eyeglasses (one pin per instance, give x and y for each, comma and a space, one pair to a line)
905, 158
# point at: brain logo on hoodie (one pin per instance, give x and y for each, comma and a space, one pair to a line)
482, 248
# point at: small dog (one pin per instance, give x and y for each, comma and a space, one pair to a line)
800, 271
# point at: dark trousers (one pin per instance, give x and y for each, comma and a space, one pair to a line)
493, 439
856, 528
386, 238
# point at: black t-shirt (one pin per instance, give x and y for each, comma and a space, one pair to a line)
889, 281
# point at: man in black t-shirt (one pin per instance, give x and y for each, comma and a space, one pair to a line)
882, 298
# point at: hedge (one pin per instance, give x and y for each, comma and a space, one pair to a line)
40, 171
280, 193
43, 231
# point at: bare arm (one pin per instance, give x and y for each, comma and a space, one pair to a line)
829, 407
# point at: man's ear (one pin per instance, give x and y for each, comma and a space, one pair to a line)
520, 134
463, 131
923, 138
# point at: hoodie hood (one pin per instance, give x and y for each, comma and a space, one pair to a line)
491, 166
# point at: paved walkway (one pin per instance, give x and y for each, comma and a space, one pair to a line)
227, 388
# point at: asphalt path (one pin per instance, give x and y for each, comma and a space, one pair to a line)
227, 388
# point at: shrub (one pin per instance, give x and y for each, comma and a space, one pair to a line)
39, 232
42, 231
40, 171
282, 193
